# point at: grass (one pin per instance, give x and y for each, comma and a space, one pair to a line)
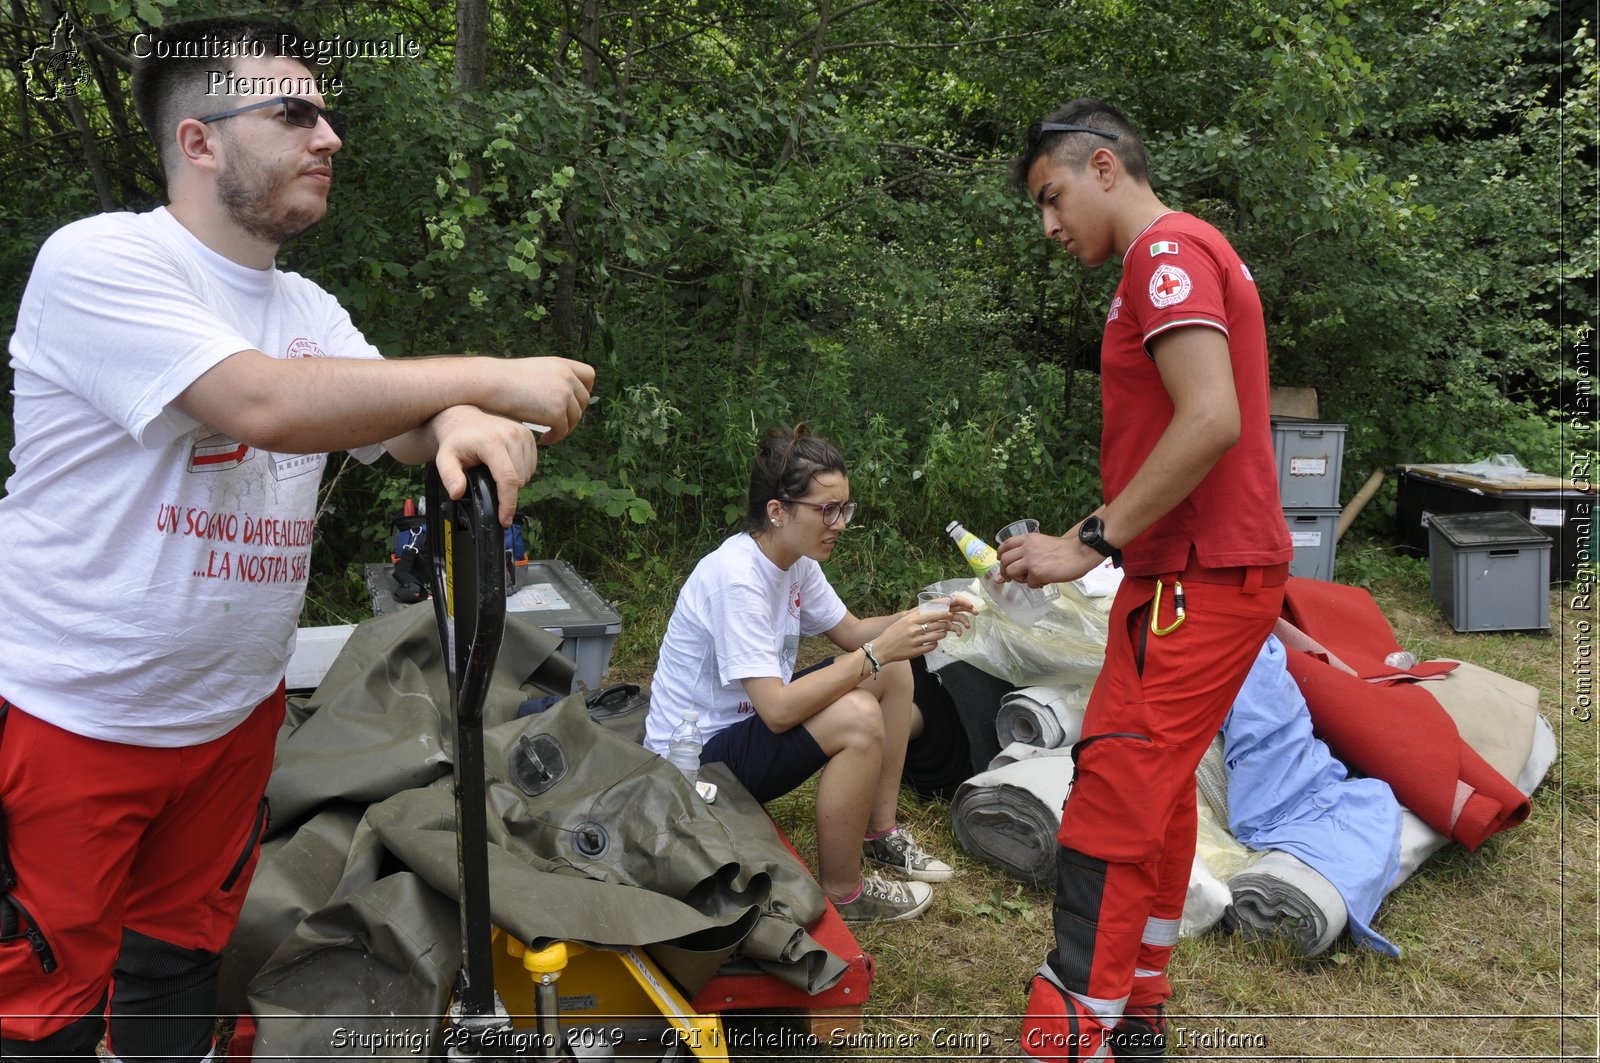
1501, 947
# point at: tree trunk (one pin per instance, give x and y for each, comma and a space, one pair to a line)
563, 314
472, 44
93, 161
741, 326
19, 68
791, 143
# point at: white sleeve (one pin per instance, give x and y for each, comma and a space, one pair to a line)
821, 608
348, 342
740, 625
115, 322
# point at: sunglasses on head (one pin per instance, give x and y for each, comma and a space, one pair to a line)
1038, 129
831, 511
296, 112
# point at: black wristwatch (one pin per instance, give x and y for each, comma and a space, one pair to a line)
1092, 533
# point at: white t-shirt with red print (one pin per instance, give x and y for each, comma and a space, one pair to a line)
738, 616
153, 570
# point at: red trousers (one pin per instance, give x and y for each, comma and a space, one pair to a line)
105, 837
1128, 829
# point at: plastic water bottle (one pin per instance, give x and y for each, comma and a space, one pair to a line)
1010, 598
683, 748
1401, 659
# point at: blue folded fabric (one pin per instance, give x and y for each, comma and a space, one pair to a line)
1287, 792
534, 706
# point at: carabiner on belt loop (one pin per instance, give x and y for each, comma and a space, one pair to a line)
1177, 607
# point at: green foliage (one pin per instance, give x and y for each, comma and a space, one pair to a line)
1002, 906
745, 215
1362, 561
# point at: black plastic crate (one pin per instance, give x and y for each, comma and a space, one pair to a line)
1563, 514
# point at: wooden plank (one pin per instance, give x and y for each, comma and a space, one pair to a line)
827, 1024
1530, 482
1293, 402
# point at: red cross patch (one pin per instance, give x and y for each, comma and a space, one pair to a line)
1168, 285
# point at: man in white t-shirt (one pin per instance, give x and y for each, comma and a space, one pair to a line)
175, 397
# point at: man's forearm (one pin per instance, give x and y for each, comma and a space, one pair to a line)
313, 405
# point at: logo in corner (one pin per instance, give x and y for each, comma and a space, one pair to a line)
1169, 285
56, 71
1163, 247
304, 348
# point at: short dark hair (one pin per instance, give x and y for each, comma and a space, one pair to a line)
1074, 148
174, 63
786, 463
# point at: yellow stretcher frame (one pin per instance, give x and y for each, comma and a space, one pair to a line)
600, 990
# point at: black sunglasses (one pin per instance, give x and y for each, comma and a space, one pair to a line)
1040, 128
296, 112
831, 511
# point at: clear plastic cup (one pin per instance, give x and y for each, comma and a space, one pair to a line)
1025, 526
932, 602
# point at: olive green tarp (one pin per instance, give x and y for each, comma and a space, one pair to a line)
351, 928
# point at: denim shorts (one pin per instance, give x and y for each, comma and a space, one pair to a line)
769, 765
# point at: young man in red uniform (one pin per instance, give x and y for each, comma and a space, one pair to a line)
1193, 514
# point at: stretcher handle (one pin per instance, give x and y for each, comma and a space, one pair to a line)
469, 602
469, 584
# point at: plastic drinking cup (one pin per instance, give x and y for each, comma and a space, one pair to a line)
1017, 527
1026, 526
932, 602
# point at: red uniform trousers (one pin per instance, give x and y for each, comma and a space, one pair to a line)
120, 848
1128, 829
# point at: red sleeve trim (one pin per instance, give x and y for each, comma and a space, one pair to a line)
1182, 322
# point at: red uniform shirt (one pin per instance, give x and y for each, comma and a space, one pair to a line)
1181, 272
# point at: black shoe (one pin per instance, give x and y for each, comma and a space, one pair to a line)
1142, 1034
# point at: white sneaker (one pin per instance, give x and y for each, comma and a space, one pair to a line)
900, 851
886, 902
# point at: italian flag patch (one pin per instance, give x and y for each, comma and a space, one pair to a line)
1163, 247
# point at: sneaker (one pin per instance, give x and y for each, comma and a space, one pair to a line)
885, 902
899, 850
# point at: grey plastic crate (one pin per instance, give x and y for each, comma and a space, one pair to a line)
1489, 571
554, 596
1313, 532
1310, 461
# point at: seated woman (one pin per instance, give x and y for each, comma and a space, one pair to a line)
730, 651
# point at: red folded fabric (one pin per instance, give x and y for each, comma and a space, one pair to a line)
1349, 624
1392, 731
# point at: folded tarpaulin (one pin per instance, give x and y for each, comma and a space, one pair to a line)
1066, 645
592, 838
1392, 730
1280, 896
1051, 717
1205, 901
1008, 816
1287, 793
